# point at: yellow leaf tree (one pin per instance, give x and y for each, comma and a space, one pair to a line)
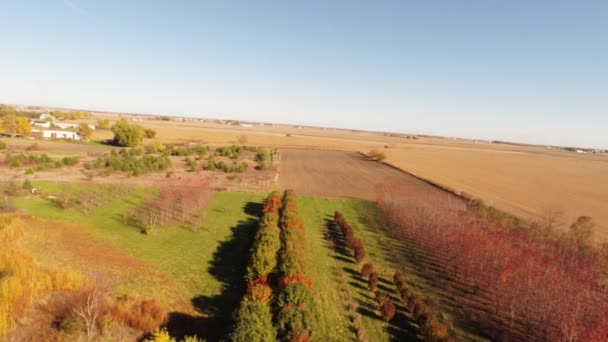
23, 126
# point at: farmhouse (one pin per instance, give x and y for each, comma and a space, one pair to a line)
48, 120
55, 134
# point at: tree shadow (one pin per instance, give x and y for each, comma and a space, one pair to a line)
337, 237
354, 274
227, 266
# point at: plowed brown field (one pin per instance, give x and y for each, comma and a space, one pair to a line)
337, 174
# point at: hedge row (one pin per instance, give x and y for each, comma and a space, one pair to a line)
267, 241
431, 329
354, 244
128, 160
254, 316
39, 162
297, 315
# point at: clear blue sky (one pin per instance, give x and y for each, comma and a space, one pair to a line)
529, 71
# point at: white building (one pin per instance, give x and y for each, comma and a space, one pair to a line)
55, 134
43, 124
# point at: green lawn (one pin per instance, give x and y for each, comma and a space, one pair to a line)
188, 256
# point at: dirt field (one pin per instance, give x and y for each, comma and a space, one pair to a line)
336, 174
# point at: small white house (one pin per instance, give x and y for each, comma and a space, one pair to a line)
55, 134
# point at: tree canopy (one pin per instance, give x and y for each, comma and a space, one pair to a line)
126, 134
85, 130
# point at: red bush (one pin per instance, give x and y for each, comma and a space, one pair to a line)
296, 278
367, 269
372, 282
387, 309
359, 254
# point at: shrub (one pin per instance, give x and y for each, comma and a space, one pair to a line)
150, 133
264, 251
144, 315
71, 323
160, 335
377, 155
295, 293
27, 185
367, 270
2, 145
84, 130
399, 280
387, 309
263, 159
293, 319
254, 323
359, 252
435, 331
381, 298
191, 164
404, 294
372, 282
69, 161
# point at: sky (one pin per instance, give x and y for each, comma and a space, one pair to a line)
523, 71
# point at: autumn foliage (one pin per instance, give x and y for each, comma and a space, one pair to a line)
530, 286
179, 202
254, 316
354, 244
297, 313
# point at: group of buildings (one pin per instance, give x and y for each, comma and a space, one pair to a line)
48, 127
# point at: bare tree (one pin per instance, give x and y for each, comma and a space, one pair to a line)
90, 310
552, 219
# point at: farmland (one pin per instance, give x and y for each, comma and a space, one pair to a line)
337, 174
192, 234
528, 181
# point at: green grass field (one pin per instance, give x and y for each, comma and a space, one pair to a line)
209, 263
341, 292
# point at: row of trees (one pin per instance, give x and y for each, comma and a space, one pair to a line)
531, 288
431, 329
15, 125
179, 202
131, 161
354, 244
296, 316
254, 316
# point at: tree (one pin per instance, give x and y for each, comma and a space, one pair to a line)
126, 134
23, 126
27, 185
372, 281
89, 311
254, 322
387, 309
150, 133
10, 123
377, 155
85, 130
103, 123
367, 269
582, 231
